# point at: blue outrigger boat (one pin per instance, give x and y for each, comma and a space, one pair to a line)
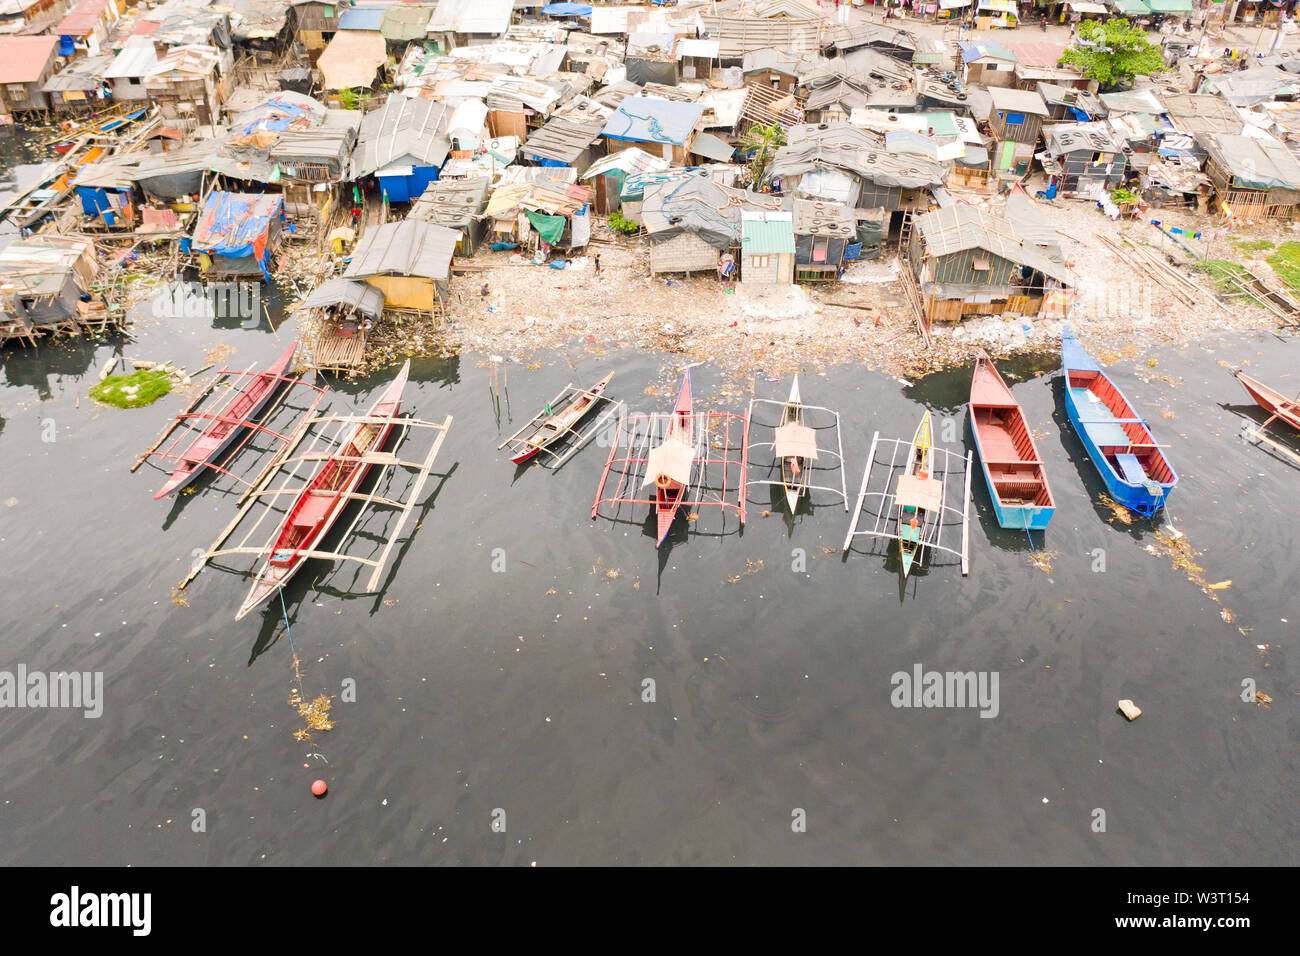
1135, 470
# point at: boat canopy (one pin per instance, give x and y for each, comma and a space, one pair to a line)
795, 441
673, 459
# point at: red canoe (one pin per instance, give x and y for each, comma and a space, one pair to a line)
1017, 482
1271, 400
670, 465
324, 497
226, 425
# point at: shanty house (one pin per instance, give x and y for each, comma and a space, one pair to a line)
237, 233
775, 69
694, 222
1015, 119
608, 174
1089, 158
766, 248
26, 65
695, 57
404, 143
16, 16
86, 27
565, 141
347, 309
1068, 105
42, 281
1253, 177
80, 85
988, 63
667, 127
456, 204
408, 261
541, 210
837, 162
967, 261
822, 232
458, 23
738, 35
135, 61
188, 83
317, 23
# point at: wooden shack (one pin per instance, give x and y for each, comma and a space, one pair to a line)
967, 261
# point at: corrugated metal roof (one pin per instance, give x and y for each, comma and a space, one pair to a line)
403, 127
82, 19
1017, 101
406, 248
766, 233
452, 203
366, 299
23, 59
960, 227
472, 16
563, 139
362, 18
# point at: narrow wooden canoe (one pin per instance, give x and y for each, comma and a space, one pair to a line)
795, 444
918, 495
325, 496
1119, 442
1013, 470
209, 445
671, 465
573, 408
1271, 400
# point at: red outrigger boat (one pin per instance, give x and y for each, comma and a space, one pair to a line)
1022, 499
560, 420
321, 502
226, 425
671, 464
1271, 400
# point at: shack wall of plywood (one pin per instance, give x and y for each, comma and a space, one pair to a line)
1023, 132
685, 252
1091, 165
507, 123
406, 292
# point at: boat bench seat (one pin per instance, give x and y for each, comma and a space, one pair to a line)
1132, 468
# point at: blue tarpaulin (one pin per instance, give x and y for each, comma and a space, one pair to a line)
67, 46
275, 115
567, 10
239, 225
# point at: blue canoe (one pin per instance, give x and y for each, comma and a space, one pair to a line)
1135, 470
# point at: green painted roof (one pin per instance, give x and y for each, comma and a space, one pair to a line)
942, 124
1170, 6
1136, 8
767, 236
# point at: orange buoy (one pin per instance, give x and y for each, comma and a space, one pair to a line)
913, 523
663, 481
319, 788
923, 475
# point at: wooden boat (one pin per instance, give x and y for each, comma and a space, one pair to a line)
1271, 400
795, 444
919, 495
1013, 470
227, 425
671, 464
560, 420
325, 496
1132, 465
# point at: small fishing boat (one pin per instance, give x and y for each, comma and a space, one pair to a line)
670, 466
227, 424
1271, 400
795, 444
323, 499
1119, 442
560, 420
919, 495
1013, 470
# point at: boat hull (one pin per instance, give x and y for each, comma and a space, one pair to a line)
272, 576
1011, 516
1270, 400
1136, 497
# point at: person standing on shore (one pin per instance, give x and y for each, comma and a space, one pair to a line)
597, 261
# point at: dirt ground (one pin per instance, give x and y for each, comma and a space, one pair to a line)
864, 319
